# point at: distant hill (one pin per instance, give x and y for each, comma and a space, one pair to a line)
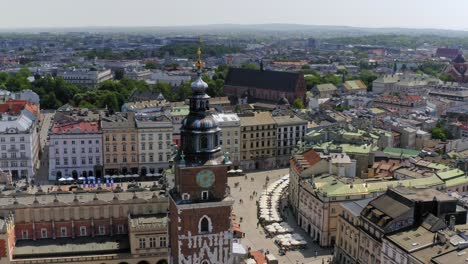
286, 30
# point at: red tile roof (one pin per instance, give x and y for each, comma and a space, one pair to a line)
310, 157
259, 257
14, 107
82, 126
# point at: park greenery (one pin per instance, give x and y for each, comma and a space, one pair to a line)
55, 92
439, 132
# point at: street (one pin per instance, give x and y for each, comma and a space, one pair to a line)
43, 172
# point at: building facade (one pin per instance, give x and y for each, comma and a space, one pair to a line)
19, 144
85, 228
75, 150
86, 78
120, 144
229, 137
155, 143
258, 137
290, 130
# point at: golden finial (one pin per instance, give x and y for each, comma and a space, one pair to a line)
199, 63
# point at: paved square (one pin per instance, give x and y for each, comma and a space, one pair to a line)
255, 237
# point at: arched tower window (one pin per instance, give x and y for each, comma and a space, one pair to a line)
215, 143
203, 142
205, 225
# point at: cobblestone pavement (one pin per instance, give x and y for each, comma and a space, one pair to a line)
255, 237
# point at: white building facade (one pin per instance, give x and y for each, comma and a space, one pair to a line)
229, 138
75, 150
155, 143
19, 145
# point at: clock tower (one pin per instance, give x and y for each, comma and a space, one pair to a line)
200, 205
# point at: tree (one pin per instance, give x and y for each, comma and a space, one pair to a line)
447, 78
151, 65
251, 66
298, 104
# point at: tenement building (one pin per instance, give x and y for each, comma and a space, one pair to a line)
75, 149
290, 130
85, 78
120, 143
229, 138
155, 141
200, 206
19, 139
258, 137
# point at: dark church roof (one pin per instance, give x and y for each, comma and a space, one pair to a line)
272, 80
459, 59
447, 52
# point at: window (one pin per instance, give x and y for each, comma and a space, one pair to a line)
24, 234
43, 233
73, 150
90, 160
185, 196
204, 225
57, 161
102, 230
22, 147
98, 160
162, 241
120, 229
204, 195
65, 151
142, 242
65, 161
107, 138
203, 142
152, 242
73, 142
150, 146
83, 161
124, 137
73, 160
63, 231
82, 230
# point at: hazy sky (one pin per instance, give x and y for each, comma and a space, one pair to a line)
448, 14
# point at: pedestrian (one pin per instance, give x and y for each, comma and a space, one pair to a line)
258, 223
316, 253
240, 189
241, 219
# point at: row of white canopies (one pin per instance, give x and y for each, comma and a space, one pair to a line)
91, 178
290, 241
269, 204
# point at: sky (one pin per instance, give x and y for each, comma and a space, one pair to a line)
448, 14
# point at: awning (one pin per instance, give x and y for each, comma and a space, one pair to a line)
239, 171
107, 176
70, 179
62, 179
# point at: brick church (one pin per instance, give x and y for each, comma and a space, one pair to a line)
263, 85
458, 69
200, 226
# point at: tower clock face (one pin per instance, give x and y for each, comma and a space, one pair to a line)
205, 178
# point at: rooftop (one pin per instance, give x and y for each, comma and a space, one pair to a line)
258, 119
271, 80
76, 127
78, 246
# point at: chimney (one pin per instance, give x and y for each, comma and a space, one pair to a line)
452, 223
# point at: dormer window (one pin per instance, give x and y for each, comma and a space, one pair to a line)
185, 196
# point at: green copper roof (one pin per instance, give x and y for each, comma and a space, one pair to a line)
397, 152
445, 175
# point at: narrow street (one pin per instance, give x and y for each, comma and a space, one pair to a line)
43, 172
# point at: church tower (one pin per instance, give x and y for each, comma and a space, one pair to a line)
200, 205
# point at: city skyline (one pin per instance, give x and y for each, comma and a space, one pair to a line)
144, 13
